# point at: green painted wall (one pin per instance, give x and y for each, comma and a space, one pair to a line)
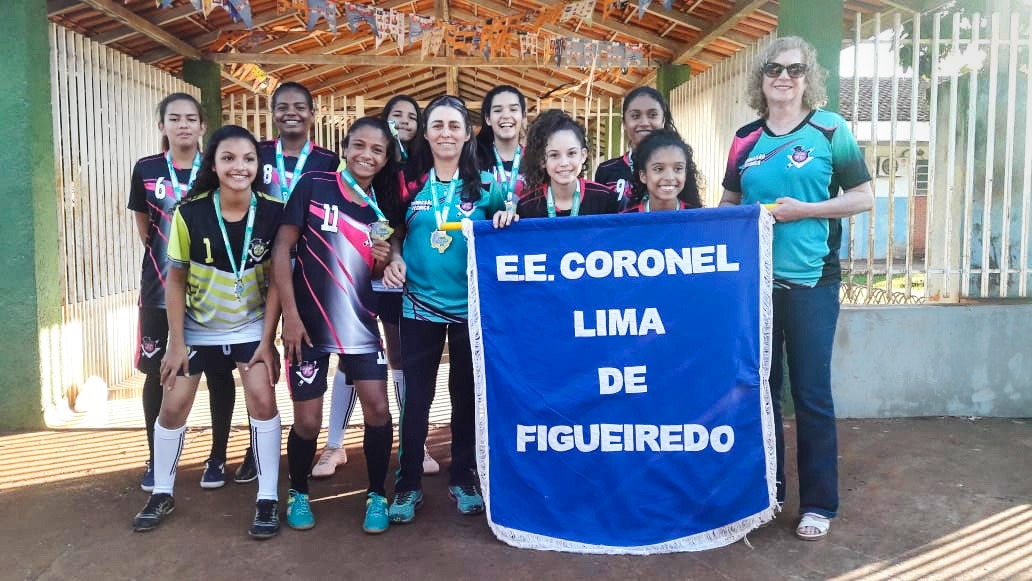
820, 23
30, 289
207, 76
670, 76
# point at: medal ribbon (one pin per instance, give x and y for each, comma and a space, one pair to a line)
677, 207
287, 188
501, 177
439, 214
369, 200
574, 208
248, 231
176, 193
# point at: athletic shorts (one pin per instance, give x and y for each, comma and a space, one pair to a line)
307, 380
389, 309
216, 357
152, 335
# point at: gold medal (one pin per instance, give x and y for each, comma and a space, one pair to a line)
380, 230
440, 240
239, 290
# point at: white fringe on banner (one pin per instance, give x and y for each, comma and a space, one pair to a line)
712, 539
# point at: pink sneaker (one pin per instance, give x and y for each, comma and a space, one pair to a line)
328, 462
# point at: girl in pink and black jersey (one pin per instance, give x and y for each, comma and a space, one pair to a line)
644, 111
556, 151
286, 158
666, 178
158, 182
340, 223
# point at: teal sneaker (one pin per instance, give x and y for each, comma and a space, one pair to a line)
468, 498
376, 520
403, 509
299, 512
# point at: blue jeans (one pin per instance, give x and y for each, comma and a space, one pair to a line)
804, 328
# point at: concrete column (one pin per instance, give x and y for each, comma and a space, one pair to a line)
207, 76
820, 23
669, 77
30, 289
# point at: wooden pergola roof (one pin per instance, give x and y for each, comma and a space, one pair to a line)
698, 33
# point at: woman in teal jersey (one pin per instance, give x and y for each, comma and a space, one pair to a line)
158, 183
805, 160
431, 263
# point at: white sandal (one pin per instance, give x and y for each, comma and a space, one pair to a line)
812, 522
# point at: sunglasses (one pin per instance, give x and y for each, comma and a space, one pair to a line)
795, 70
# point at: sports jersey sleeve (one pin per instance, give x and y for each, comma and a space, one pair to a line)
137, 191
745, 139
296, 211
846, 158
179, 242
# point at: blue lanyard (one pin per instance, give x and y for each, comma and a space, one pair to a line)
238, 273
574, 208
369, 200
394, 131
287, 188
176, 192
511, 186
442, 215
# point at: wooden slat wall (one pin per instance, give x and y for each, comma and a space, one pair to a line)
104, 111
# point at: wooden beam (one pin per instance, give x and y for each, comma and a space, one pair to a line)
675, 16
162, 18
452, 80
145, 27
717, 29
160, 54
361, 59
56, 7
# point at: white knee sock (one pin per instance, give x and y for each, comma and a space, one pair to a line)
265, 443
168, 446
342, 403
399, 387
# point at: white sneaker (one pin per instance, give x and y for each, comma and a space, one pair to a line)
430, 466
328, 462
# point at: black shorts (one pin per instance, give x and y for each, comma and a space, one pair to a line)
204, 358
389, 309
307, 380
152, 335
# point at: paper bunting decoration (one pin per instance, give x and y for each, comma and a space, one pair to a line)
580, 9
205, 6
462, 38
286, 5
634, 56
643, 5
164, 3
417, 25
322, 9
239, 11
358, 14
496, 37
433, 38
390, 24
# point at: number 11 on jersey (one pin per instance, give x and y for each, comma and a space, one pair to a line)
330, 215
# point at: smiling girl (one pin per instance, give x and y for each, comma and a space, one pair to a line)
644, 110
556, 152
221, 311
667, 178
498, 142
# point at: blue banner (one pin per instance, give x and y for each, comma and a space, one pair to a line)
621, 365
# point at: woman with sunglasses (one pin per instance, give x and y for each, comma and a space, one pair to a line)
444, 178
805, 160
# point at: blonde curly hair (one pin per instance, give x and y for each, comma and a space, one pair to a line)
815, 95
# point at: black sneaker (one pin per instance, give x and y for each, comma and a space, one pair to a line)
158, 507
266, 519
248, 470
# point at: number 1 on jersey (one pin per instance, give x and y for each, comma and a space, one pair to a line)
208, 259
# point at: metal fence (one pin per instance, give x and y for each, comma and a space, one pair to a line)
104, 115
947, 136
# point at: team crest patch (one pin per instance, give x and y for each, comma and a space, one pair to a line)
258, 249
306, 372
149, 347
466, 206
799, 156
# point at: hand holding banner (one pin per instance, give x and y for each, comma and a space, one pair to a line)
621, 368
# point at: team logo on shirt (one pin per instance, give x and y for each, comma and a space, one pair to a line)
306, 372
466, 206
418, 205
258, 249
799, 156
149, 347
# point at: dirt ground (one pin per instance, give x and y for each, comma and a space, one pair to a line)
945, 498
